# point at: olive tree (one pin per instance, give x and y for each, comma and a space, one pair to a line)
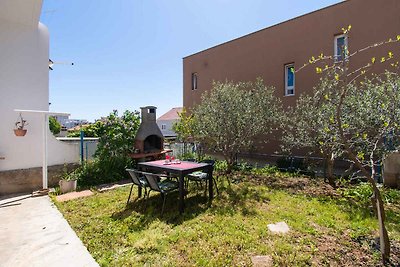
232, 116
365, 112
309, 128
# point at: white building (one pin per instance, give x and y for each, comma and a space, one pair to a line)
167, 120
24, 85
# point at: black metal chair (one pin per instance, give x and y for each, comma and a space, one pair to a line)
203, 176
164, 187
139, 180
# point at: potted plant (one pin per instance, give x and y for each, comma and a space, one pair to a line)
67, 182
20, 126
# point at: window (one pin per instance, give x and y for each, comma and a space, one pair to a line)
194, 81
340, 47
163, 126
289, 79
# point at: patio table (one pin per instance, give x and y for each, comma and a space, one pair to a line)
181, 170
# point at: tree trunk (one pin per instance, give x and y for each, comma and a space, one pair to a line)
379, 208
384, 238
230, 161
383, 235
330, 161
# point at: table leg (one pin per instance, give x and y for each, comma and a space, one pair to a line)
181, 193
210, 184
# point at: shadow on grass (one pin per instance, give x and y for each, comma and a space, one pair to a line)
238, 198
148, 210
231, 199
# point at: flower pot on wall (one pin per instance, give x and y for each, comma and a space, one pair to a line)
20, 132
67, 186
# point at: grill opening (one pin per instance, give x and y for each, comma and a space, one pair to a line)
152, 143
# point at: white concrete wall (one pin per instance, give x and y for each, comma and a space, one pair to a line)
24, 84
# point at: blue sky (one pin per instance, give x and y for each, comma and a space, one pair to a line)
128, 53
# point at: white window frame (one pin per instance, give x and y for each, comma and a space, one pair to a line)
194, 81
289, 88
335, 46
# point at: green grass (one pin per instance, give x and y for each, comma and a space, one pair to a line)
324, 230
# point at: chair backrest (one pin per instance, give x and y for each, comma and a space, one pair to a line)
191, 160
209, 161
135, 174
152, 180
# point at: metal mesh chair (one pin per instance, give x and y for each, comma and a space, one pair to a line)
164, 187
203, 176
139, 180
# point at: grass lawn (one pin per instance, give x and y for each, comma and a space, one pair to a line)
325, 230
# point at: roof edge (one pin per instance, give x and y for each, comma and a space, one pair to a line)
266, 28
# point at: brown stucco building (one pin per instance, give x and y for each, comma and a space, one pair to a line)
268, 53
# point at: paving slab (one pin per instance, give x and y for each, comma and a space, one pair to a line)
279, 228
73, 195
34, 233
262, 261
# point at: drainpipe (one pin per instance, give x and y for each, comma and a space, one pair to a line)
82, 135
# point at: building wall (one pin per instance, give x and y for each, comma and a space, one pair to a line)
24, 84
265, 53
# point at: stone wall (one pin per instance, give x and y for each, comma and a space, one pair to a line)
29, 180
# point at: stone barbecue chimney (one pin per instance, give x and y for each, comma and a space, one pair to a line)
149, 137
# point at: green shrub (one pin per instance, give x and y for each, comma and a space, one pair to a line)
55, 126
188, 155
102, 171
117, 135
221, 166
362, 193
243, 167
91, 130
267, 169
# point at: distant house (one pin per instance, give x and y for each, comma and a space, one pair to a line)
166, 121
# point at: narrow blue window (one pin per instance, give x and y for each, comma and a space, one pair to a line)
289, 79
340, 47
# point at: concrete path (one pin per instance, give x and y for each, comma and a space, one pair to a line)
34, 233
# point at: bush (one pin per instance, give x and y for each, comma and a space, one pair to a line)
117, 135
362, 193
221, 166
268, 169
55, 126
91, 130
102, 171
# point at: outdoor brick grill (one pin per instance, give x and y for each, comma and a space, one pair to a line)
149, 141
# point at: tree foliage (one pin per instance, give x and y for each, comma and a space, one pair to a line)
365, 113
55, 126
184, 127
311, 125
232, 115
117, 134
91, 130
371, 117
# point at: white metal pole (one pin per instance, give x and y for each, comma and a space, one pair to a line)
44, 167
